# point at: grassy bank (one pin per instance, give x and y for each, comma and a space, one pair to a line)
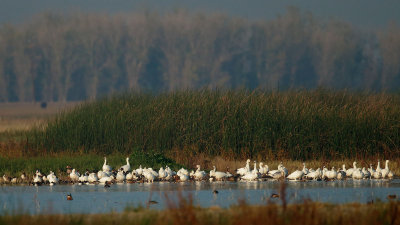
186, 213
14, 166
237, 124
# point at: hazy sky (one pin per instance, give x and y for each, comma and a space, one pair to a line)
363, 13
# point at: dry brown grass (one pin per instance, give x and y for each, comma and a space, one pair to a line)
185, 213
24, 115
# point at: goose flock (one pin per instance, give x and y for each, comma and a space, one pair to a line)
125, 173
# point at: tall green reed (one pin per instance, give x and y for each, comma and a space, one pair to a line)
303, 124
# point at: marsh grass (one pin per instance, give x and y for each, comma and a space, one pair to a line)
296, 125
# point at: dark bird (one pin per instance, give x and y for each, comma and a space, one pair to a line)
151, 202
107, 185
69, 169
274, 196
69, 197
391, 196
215, 192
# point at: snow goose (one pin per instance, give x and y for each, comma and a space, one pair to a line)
102, 174
244, 170
305, 170
296, 175
262, 169
126, 168
183, 177
371, 169
106, 168
283, 169
6, 179
52, 178
148, 175
217, 174
378, 167
37, 180
162, 174
74, 175
120, 176
105, 180
358, 174
276, 174
199, 174
314, 175
377, 174
92, 178
350, 171
250, 176
340, 174
385, 171
331, 174
84, 178
139, 171
366, 173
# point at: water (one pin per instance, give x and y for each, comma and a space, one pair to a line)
97, 199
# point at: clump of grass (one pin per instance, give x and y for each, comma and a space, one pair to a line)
295, 125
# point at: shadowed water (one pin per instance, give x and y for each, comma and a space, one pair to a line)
97, 199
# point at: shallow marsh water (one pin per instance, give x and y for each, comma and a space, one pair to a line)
97, 199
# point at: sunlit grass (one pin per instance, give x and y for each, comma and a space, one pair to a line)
187, 213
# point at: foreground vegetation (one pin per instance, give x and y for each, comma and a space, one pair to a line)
298, 125
185, 213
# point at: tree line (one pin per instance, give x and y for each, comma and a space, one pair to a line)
56, 57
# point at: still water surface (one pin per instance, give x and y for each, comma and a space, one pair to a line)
97, 199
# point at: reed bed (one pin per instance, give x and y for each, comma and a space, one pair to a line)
186, 213
296, 125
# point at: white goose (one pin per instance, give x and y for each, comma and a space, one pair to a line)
366, 173
162, 174
282, 168
385, 171
250, 176
52, 178
148, 175
331, 174
84, 178
217, 174
92, 178
340, 174
120, 176
262, 170
358, 174
106, 168
315, 174
126, 168
350, 171
242, 171
199, 174
37, 180
305, 170
296, 175
74, 175
378, 167
102, 174
103, 180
